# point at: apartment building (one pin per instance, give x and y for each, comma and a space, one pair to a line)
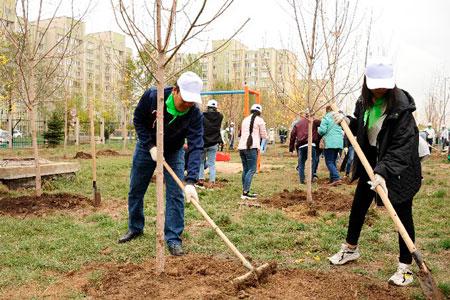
8, 12
237, 65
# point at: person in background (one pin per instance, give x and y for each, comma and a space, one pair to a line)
444, 137
183, 120
282, 133
350, 154
387, 133
299, 141
317, 138
231, 132
431, 135
212, 122
253, 130
334, 142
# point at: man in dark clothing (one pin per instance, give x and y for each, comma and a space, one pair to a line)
212, 122
182, 120
299, 141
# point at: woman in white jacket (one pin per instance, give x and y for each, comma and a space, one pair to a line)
253, 130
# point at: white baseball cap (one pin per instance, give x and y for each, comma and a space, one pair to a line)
212, 103
190, 85
380, 74
257, 107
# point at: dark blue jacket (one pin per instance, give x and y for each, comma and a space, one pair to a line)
188, 126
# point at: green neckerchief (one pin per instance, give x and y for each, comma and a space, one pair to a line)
374, 113
171, 109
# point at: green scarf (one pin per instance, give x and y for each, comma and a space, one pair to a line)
171, 109
374, 113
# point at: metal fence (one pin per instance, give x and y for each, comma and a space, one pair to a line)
78, 132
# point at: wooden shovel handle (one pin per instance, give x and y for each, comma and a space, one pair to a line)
230, 245
387, 203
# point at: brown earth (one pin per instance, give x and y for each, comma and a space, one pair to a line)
324, 199
207, 277
83, 155
47, 203
108, 152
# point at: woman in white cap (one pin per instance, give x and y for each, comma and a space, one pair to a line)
387, 133
253, 130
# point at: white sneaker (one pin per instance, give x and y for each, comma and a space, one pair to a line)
403, 276
344, 255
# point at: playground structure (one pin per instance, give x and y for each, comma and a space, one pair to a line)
246, 92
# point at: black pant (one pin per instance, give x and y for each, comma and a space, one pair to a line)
361, 203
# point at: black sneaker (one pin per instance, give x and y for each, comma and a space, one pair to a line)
248, 196
175, 249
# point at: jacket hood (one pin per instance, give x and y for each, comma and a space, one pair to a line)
405, 102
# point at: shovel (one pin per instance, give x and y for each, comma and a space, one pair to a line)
427, 283
255, 275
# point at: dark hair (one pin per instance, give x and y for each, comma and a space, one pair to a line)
255, 113
328, 108
389, 97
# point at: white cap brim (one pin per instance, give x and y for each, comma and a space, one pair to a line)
190, 97
380, 83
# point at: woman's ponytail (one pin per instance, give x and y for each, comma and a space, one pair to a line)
255, 113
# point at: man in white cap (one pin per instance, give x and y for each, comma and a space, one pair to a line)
431, 134
212, 122
182, 120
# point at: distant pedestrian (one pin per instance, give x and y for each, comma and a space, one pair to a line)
431, 135
212, 121
334, 142
444, 137
299, 142
253, 130
231, 133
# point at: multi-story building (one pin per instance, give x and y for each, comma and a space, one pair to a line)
8, 12
237, 65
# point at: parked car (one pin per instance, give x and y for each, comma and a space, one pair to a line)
4, 137
17, 133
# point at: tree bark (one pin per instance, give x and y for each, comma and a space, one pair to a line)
65, 125
309, 163
160, 259
37, 165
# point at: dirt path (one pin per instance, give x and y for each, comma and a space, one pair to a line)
207, 277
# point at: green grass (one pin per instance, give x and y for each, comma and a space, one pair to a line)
42, 249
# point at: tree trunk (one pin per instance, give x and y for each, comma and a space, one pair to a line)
32, 113
124, 128
309, 163
65, 126
160, 259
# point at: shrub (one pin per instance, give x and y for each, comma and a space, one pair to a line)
55, 133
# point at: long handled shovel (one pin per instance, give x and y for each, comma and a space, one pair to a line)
426, 280
255, 275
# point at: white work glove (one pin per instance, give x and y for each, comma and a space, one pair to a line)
190, 193
153, 153
338, 117
345, 151
378, 180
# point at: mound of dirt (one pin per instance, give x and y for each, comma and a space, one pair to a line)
83, 155
324, 199
108, 152
25, 205
207, 277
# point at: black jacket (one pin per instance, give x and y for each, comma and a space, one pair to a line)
212, 122
397, 148
188, 126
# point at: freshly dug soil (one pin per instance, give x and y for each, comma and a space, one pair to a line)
324, 199
207, 277
108, 152
83, 155
26, 205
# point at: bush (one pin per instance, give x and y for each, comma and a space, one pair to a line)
55, 133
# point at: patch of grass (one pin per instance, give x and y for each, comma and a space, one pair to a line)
439, 194
445, 288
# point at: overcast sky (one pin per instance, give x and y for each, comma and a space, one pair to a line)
415, 34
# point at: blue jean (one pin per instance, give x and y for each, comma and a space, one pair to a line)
248, 158
209, 154
351, 155
141, 172
302, 157
330, 161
